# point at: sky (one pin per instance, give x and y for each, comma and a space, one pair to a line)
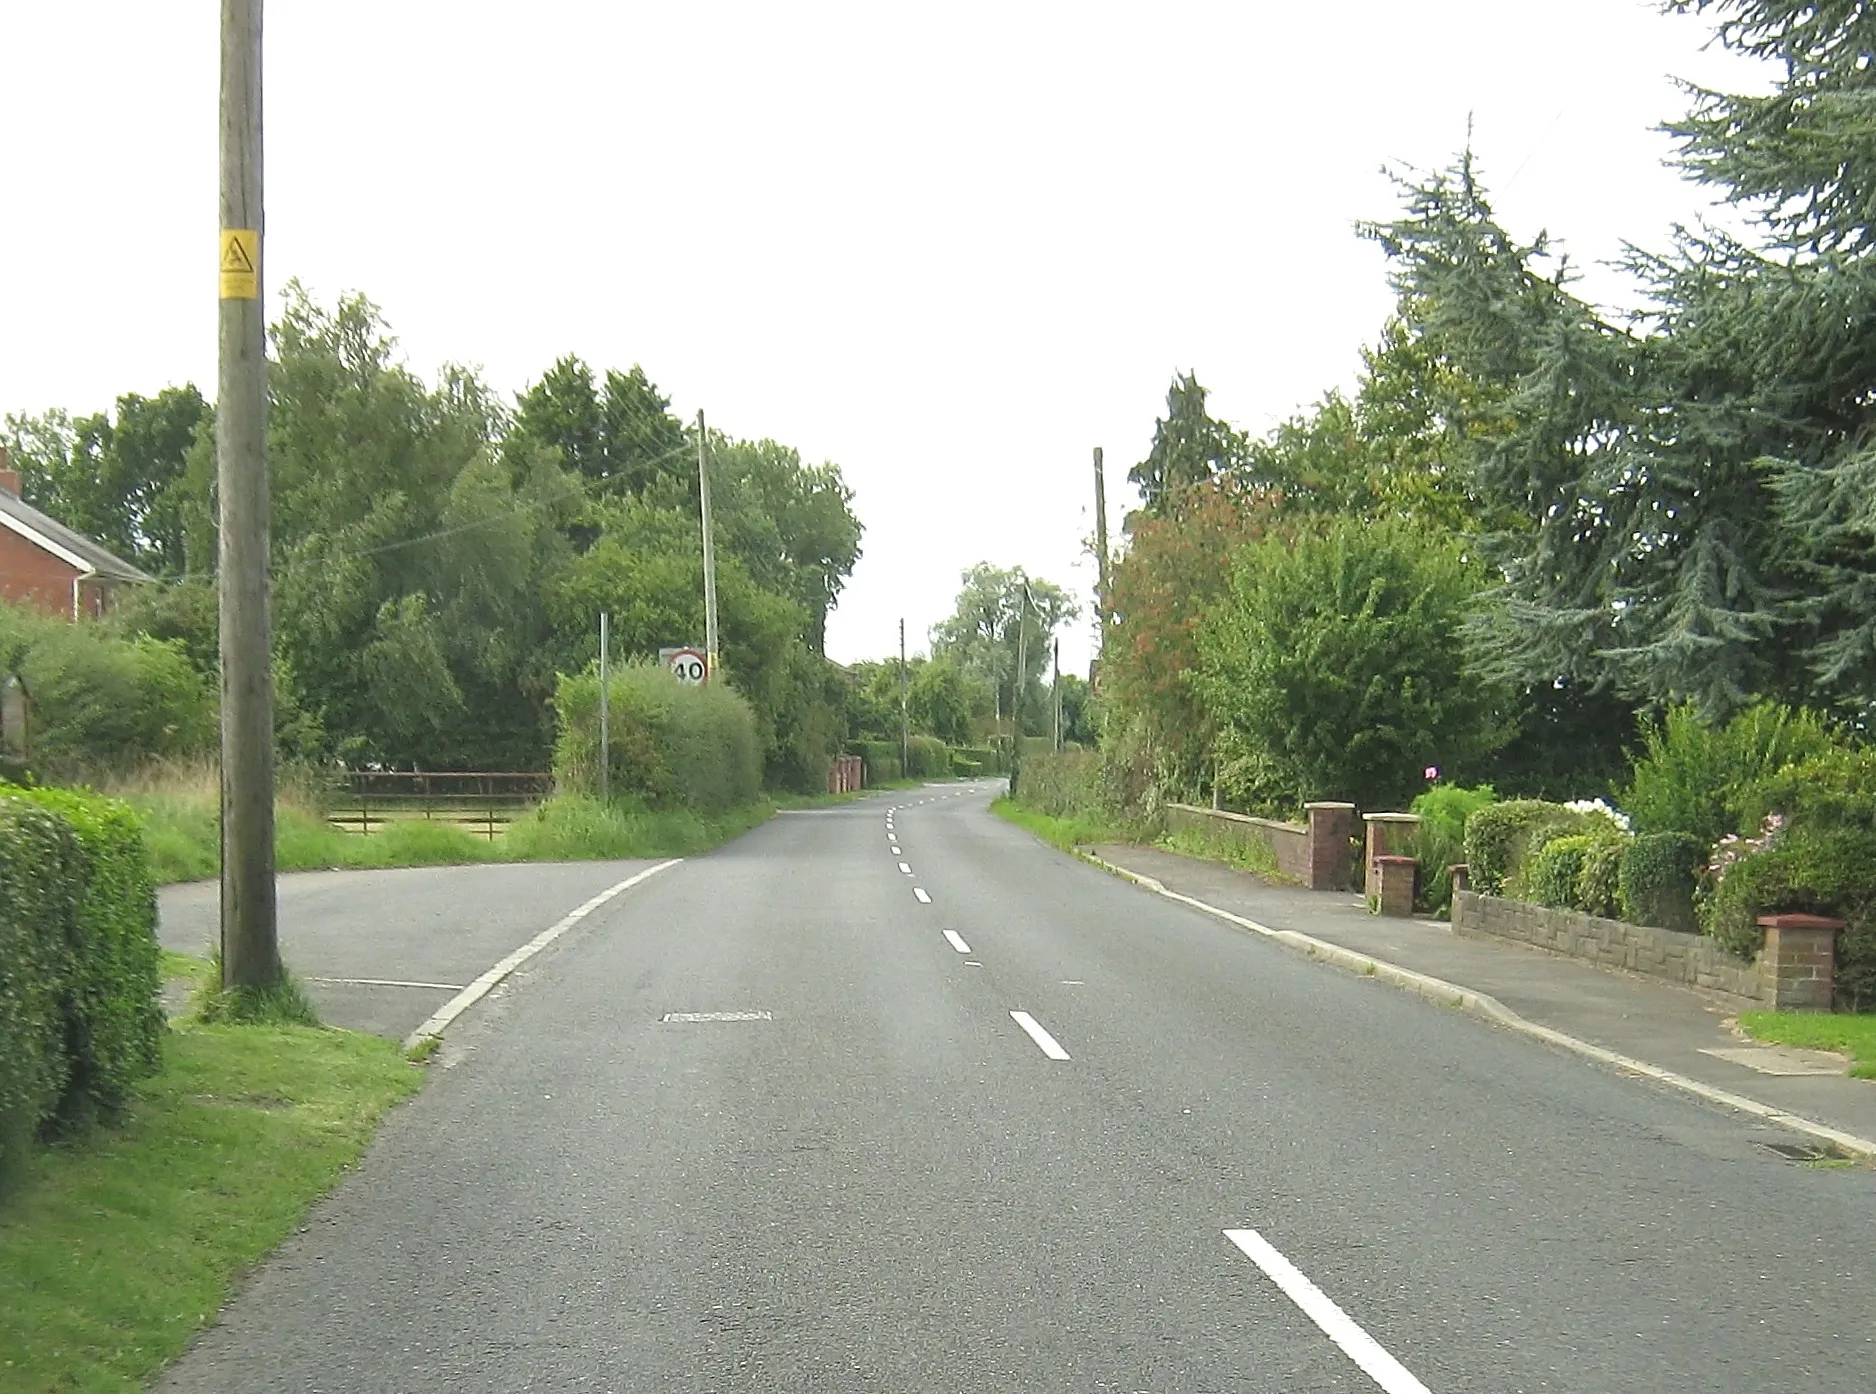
950, 248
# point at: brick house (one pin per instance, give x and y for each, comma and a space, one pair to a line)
46, 565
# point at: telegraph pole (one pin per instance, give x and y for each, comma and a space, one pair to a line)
1055, 695
250, 944
905, 724
1022, 674
1100, 557
710, 550
605, 705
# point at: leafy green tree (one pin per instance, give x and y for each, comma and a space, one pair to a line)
1001, 614
945, 701
1189, 446
1334, 667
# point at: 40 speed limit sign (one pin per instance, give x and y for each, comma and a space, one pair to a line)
687, 665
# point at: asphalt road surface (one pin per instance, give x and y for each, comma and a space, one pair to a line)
814, 1114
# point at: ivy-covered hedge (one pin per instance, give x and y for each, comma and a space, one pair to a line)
80, 1020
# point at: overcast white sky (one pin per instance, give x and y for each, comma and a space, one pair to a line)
950, 247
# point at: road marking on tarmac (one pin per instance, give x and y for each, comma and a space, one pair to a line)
956, 942
1044, 1041
384, 982
923, 899
1336, 1324
905, 868
439, 1020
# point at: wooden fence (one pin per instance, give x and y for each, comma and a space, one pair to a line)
478, 801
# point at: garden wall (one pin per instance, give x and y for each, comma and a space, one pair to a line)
1689, 959
1318, 854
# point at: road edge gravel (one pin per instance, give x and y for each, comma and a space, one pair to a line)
1489, 1008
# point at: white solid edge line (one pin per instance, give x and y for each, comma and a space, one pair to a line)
923, 899
1336, 1324
384, 982
1048, 1044
439, 1021
957, 942
1484, 1005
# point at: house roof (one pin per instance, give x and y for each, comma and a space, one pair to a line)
74, 548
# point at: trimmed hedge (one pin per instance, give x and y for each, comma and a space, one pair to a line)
1823, 873
1501, 835
975, 760
930, 758
1656, 883
883, 765
80, 1019
673, 745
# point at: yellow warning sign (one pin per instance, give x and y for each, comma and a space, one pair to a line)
240, 263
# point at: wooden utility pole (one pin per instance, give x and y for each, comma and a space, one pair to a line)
250, 944
605, 705
1022, 674
1100, 558
710, 550
905, 721
1055, 695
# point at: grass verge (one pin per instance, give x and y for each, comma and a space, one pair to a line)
115, 1249
183, 836
1854, 1036
1065, 833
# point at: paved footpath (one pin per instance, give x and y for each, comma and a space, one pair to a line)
890, 1097
1645, 1018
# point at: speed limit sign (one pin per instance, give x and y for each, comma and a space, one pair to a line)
686, 665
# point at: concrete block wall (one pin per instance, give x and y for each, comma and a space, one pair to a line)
1317, 854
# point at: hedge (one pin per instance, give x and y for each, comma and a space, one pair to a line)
672, 745
930, 758
1656, 883
80, 1018
1827, 873
972, 761
1501, 835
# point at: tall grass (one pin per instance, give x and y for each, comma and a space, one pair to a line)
180, 806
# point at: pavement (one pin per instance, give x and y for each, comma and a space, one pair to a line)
891, 1097
1647, 1019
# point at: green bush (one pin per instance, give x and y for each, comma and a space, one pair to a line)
1500, 836
1655, 884
974, 761
673, 745
1697, 778
1821, 873
883, 765
1064, 786
1551, 874
930, 758
1440, 838
113, 1012
41, 884
100, 700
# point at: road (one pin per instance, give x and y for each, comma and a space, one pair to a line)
1250, 1172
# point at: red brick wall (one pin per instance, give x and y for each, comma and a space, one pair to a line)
31, 576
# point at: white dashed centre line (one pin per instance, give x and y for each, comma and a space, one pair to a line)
923, 899
1044, 1041
1336, 1324
956, 942
906, 868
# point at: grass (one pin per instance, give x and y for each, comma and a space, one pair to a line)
115, 1249
181, 829
1854, 1036
1079, 831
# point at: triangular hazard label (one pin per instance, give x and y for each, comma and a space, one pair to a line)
234, 257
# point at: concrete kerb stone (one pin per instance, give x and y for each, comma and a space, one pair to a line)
1489, 1008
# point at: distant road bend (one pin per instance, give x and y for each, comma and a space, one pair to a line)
890, 1097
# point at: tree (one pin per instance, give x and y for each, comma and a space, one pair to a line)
945, 701
1189, 446
1334, 667
1000, 614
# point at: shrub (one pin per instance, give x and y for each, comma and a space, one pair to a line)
100, 700
673, 745
972, 761
113, 1012
1440, 839
1500, 836
881, 758
1822, 873
1696, 778
40, 886
1655, 885
1599, 882
930, 758
1551, 874
1062, 786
